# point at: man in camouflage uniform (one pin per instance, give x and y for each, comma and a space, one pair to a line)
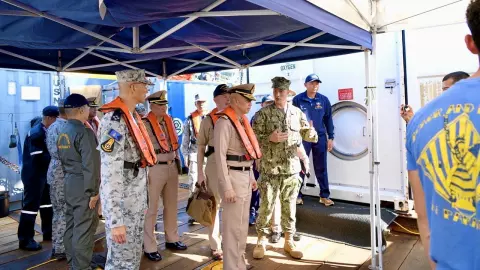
125, 151
55, 178
280, 128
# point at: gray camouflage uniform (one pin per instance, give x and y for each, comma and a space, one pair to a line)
123, 195
280, 165
55, 178
189, 151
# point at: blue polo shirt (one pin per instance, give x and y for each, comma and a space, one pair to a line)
443, 145
317, 109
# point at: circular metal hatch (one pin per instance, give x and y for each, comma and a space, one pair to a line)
351, 138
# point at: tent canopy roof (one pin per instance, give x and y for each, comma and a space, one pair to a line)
168, 36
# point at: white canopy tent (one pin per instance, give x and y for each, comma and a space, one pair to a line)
380, 16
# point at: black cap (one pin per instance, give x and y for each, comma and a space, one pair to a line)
220, 90
51, 111
75, 101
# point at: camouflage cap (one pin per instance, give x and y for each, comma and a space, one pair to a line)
132, 75
92, 102
281, 83
245, 90
159, 97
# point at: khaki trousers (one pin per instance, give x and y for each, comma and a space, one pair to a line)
235, 221
162, 180
212, 186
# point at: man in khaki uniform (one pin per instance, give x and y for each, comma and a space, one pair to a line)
236, 147
162, 178
209, 174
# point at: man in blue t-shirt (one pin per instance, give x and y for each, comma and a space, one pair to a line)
443, 155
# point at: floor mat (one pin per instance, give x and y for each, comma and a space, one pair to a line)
343, 222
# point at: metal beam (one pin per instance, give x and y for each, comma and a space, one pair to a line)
110, 49
218, 55
64, 22
178, 26
118, 62
232, 13
359, 13
20, 13
172, 49
136, 38
350, 47
202, 62
87, 52
28, 59
285, 49
104, 65
195, 64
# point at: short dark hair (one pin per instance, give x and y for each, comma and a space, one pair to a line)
473, 21
456, 76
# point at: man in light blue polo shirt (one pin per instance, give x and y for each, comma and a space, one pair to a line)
443, 159
318, 110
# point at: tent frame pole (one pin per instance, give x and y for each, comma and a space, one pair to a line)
226, 59
28, 59
232, 13
203, 62
197, 63
285, 49
179, 26
104, 65
302, 44
64, 23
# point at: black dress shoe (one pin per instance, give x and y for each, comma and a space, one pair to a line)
31, 245
154, 256
275, 237
192, 221
297, 237
59, 256
176, 246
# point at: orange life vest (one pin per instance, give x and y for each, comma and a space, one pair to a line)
245, 132
213, 114
158, 132
138, 131
196, 118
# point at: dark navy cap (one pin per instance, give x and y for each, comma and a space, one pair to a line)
220, 90
267, 98
51, 111
312, 77
75, 101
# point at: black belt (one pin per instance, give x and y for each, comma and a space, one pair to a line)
166, 162
238, 158
132, 166
239, 168
210, 150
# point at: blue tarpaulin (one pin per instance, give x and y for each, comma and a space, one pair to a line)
41, 39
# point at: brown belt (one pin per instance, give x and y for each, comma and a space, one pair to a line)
166, 162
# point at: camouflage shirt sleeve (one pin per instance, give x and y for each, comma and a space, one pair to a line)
112, 173
305, 129
186, 139
260, 127
52, 135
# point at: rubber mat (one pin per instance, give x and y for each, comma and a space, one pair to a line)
343, 222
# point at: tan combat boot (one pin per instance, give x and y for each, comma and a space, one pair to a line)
260, 248
290, 247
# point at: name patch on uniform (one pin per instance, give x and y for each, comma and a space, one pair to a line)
63, 141
115, 135
117, 114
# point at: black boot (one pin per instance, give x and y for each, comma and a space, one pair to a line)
46, 214
29, 245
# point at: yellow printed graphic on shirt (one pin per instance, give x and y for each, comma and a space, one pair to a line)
451, 161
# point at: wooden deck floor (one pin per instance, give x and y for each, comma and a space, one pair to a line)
403, 252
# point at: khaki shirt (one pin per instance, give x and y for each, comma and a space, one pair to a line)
227, 141
205, 134
162, 157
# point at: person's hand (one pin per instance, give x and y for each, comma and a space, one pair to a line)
312, 130
201, 178
93, 202
278, 136
406, 112
329, 145
187, 161
119, 234
230, 196
253, 183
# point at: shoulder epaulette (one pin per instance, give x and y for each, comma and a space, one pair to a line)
117, 115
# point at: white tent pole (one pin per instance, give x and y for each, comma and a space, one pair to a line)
371, 159
118, 62
87, 52
104, 65
226, 59
64, 22
285, 49
194, 64
28, 59
349, 47
232, 13
202, 62
358, 12
136, 38
178, 26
